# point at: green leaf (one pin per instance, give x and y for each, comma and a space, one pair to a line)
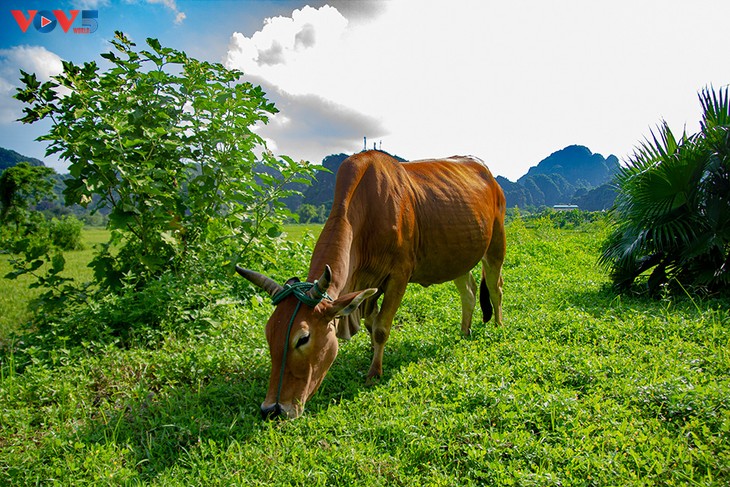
169, 238
58, 262
35, 265
154, 44
152, 262
119, 218
15, 274
110, 56
274, 232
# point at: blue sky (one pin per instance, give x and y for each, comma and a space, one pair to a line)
510, 82
203, 32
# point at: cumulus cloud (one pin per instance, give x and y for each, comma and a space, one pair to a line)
9, 108
359, 9
287, 40
31, 59
387, 66
292, 58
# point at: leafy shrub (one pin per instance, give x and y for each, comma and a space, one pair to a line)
166, 142
22, 186
312, 214
170, 305
65, 233
672, 213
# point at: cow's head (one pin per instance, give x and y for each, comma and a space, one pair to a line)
302, 341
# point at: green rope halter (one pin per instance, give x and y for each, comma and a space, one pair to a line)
300, 290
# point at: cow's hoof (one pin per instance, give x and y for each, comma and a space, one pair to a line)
372, 380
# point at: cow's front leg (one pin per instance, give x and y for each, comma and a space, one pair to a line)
392, 297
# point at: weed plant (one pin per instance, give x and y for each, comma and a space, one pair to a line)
579, 387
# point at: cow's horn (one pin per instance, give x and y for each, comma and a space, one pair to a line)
266, 283
323, 283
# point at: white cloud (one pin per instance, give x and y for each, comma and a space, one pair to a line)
31, 59
311, 124
287, 41
9, 108
310, 127
510, 82
172, 6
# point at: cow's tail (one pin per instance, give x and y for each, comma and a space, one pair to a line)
484, 301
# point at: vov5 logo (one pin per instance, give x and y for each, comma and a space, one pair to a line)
46, 20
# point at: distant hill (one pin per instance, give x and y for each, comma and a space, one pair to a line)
322, 190
9, 158
573, 175
578, 165
596, 199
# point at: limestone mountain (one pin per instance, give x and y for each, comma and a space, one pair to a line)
573, 175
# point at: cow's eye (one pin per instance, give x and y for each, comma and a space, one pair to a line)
303, 340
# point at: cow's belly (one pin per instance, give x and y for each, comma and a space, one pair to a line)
450, 250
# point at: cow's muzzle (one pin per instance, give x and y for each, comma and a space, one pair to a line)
272, 412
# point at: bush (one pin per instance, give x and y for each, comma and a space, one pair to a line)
572, 219
179, 305
672, 213
21, 187
312, 214
65, 233
167, 144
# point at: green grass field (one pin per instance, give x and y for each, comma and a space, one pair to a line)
579, 387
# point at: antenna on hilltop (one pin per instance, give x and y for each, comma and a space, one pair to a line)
364, 143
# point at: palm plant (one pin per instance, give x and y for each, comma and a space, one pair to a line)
672, 213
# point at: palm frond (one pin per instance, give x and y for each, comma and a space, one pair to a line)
715, 108
660, 178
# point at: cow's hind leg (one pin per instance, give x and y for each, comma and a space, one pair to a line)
380, 325
467, 287
492, 275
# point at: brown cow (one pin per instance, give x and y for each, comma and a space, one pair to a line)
426, 222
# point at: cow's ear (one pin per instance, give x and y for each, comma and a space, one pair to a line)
348, 303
